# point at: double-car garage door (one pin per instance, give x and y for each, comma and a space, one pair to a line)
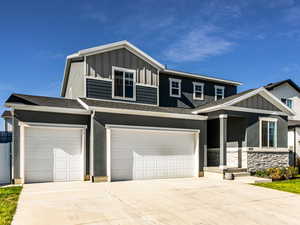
57, 154
53, 154
149, 154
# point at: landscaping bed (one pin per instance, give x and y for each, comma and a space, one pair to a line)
8, 203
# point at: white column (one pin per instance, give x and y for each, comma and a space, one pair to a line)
223, 139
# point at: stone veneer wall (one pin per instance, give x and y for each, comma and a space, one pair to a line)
260, 160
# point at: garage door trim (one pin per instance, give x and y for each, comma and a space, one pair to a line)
109, 127
49, 126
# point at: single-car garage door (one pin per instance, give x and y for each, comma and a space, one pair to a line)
53, 154
150, 154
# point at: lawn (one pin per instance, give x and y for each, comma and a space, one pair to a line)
286, 185
8, 203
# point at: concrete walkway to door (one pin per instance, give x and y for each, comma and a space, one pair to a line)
193, 201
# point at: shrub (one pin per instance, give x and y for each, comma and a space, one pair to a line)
278, 173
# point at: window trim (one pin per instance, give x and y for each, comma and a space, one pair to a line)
194, 91
268, 119
124, 70
179, 87
223, 91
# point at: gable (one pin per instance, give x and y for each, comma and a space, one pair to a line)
285, 91
257, 102
100, 65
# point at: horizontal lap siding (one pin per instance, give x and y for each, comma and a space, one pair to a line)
102, 89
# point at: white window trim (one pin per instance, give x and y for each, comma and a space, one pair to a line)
286, 102
267, 119
194, 92
113, 83
179, 87
223, 91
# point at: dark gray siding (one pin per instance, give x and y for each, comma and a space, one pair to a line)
100, 65
186, 100
257, 102
102, 89
101, 119
46, 117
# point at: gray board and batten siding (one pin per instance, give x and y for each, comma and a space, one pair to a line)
46, 117
186, 100
100, 66
102, 119
257, 102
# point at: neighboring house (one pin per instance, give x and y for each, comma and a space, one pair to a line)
6, 115
123, 115
289, 93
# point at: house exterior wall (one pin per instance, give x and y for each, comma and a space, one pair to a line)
102, 89
45, 117
287, 91
186, 100
75, 86
102, 119
100, 66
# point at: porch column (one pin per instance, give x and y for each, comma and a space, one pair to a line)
223, 139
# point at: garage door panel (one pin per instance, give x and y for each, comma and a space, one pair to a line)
140, 154
52, 153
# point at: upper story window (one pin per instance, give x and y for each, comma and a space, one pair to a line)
175, 87
268, 132
123, 86
219, 92
287, 102
198, 93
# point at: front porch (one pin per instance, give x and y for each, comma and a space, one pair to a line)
235, 139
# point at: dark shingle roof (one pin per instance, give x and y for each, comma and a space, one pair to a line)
43, 101
6, 113
224, 100
124, 105
276, 84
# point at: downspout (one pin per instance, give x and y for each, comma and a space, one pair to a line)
92, 146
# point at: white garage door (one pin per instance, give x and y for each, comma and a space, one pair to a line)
53, 154
149, 154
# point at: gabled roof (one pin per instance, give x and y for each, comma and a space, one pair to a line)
33, 100
271, 86
229, 102
6, 114
79, 56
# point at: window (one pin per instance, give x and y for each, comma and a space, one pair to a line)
175, 87
219, 92
287, 102
268, 132
198, 91
123, 83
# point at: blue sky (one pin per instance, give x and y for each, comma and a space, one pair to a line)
254, 41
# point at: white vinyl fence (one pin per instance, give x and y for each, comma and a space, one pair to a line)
4, 163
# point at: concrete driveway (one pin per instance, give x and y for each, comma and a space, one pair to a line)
198, 201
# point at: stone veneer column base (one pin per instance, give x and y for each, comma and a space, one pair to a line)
100, 179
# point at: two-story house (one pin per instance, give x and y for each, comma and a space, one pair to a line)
123, 115
288, 92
